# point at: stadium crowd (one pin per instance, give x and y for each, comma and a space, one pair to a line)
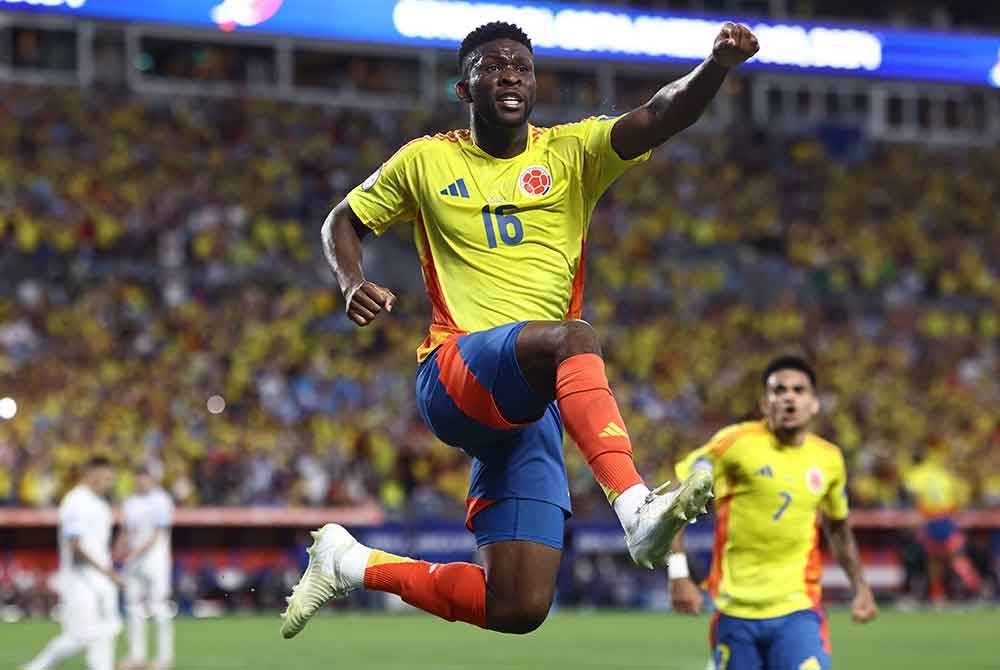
158, 252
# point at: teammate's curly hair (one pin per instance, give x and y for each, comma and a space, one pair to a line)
494, 30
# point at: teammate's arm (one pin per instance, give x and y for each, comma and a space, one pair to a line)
342, 234
680, 103
145, 546
80, 555
685, 596
845, 550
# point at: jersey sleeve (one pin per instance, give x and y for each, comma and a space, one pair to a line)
164, 517
602, 164
388, 196
73, 518
834, 502
702, 458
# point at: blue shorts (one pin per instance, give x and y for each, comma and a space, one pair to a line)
520, 519
796, 641
472, 395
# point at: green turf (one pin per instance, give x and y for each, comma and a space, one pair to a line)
935, 641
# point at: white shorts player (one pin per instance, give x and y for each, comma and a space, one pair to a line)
86, 582
148, 516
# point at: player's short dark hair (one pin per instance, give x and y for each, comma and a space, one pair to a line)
97, 462
789, 363
494, 30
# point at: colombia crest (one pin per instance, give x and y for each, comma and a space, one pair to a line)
535, 181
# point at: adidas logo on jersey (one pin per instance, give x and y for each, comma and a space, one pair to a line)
765, 471
456, 188
613, 430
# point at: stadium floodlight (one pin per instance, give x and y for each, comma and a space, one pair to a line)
8, 408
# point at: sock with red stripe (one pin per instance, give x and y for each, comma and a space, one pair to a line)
452, 591
591, 416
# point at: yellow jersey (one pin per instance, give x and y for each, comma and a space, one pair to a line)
766, 559
499, 239
937, 491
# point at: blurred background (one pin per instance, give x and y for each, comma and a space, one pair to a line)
165, 168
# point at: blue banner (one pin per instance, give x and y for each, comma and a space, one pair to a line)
575, 31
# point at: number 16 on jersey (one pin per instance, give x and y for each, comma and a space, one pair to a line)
509, 226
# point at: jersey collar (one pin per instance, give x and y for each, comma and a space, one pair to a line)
473, 148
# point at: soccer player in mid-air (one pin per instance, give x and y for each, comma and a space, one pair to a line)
772, 478
501, 212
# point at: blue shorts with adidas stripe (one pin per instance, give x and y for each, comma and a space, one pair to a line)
472, 395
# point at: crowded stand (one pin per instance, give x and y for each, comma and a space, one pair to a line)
169, 304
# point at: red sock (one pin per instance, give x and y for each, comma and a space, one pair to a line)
966, 572
592, 419
452, 591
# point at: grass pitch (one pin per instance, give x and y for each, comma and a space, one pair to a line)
913, 641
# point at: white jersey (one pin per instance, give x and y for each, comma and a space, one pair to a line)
144, 515
86, 516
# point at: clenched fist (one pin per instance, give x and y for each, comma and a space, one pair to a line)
734, 45
366, 300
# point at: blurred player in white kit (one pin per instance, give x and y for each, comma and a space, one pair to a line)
86, 581
148, 515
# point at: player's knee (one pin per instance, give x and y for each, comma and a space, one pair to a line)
531, 611
576, 337
520, 614
161, 611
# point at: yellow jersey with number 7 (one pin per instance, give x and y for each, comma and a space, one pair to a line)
766, 559
499, 240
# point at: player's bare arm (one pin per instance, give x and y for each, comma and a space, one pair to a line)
845, 549
682, 102
685, 596
80, 555
342, 234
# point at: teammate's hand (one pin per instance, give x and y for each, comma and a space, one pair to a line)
735, 44
864, 609
366, 300
685, 596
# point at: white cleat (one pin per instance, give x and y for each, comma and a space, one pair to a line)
662, 516
317, 587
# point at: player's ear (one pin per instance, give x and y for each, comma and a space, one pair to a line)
462, 91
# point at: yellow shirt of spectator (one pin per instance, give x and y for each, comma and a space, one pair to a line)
499, 239
766, 559
938, 491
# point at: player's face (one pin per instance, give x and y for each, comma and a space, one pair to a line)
143, 482
789, 402
501, 84
102, 480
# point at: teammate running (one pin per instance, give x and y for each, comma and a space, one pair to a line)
772, 479
501, 212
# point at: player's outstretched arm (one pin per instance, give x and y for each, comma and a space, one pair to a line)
342, 233
845, 549
680, 103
